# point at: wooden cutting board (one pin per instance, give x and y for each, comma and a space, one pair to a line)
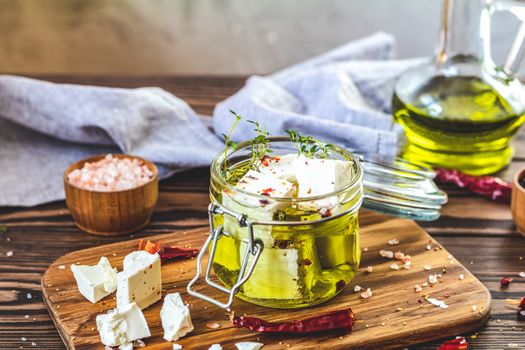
394, 317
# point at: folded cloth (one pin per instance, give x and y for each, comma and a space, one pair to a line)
343, 96
45, 127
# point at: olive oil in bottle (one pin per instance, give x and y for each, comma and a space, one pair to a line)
457, 122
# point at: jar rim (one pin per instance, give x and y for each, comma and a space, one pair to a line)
355, 181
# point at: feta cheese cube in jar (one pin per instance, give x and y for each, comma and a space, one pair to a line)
310, 237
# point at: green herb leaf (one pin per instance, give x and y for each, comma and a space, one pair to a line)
308, 146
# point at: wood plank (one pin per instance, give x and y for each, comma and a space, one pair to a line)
379, 324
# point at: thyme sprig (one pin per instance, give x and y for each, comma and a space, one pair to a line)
260, 145
308, 146
228, 143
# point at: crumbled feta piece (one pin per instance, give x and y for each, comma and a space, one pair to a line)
394, 266
432, 279
369, 269
279, 166
177, 347
95, 282
140, 280
123, 325
215, 347
175, 317
248, 345
357, 288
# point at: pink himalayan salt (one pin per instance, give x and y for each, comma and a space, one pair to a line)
111, 174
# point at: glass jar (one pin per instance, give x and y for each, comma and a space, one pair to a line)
281, 252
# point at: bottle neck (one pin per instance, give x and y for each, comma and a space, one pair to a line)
459, 36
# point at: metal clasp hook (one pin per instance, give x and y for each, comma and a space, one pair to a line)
255, 247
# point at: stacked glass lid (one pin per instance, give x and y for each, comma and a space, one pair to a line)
402, 189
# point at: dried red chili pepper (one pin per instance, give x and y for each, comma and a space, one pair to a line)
522, 304
169, 253
487, 186
341, 320
457, 344
166, 253
505, 282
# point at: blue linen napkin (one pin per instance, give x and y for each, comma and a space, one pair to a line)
342, 96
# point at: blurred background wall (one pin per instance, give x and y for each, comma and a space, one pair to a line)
204, 36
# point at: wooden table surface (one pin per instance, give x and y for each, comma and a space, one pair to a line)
477, 232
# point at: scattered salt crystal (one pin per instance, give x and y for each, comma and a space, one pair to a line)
407, 265
407, 258
369, 269
61, 267
393, 242
438, 303
9, 253
111, 174
357, 288
427, 267
177, 347
219, 347
432, 279
29, 296
366, 294
461, 276
428, 247
399, 255
23, 339
425, 284
26, 316
365, 249
418, 288
33, 343
474, 308
386, 254
394, 266
253, 345
522, 274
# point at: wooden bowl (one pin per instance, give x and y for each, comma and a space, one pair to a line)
518, 202
111, 213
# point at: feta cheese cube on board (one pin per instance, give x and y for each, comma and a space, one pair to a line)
95, 282
175, 317
123, 325
319, 177
249, 345
140, 281
280, 167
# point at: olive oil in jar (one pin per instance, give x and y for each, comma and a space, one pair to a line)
457, 122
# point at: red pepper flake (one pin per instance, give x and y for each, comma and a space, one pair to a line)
505, 281
457, 344
307, 262
267, 191
167, 253
265, 160
341, 320
522, 304
487, 186
264, 201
